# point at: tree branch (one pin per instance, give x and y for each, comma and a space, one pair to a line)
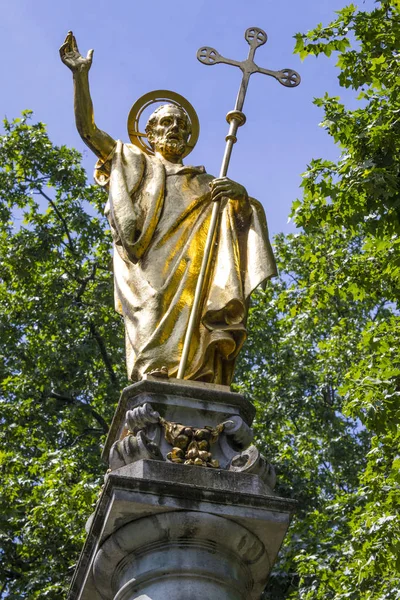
104, 353
59, 215
85, 281
378, 310
3, 587
85, 432
69, 400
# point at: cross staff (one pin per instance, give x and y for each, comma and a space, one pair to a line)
255, 37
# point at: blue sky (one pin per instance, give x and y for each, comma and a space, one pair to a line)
145, 45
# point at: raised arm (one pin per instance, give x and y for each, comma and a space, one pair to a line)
97, 140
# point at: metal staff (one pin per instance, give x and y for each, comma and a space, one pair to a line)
255, 37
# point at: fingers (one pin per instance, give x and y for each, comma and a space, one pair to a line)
68, 39
67, 45
220, 187
71, 56
219, 180
222, 183
218, 196
63, 49
70, 44
74, 44
225, 187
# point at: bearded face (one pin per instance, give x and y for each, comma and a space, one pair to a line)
168, 132
168, 145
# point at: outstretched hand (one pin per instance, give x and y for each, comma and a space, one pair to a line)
71, 56
224, 187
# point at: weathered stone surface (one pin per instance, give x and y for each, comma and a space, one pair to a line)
171, 531
201, 517
176, 555
189, 402
191, 423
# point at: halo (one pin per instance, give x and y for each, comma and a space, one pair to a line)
139, 139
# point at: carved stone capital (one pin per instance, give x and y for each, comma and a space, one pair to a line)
188, 423
141, 416
133, 448
252, 461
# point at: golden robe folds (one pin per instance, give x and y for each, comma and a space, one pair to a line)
159, 215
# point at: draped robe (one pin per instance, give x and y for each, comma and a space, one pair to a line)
159, 214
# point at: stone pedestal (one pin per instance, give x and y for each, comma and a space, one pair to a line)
168, 530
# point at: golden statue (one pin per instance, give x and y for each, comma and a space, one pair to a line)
159, 212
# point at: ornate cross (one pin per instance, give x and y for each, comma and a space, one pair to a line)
255, 37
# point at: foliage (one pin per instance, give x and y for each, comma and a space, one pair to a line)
334, 328
301, 347
361, 194
321, 364
61, 363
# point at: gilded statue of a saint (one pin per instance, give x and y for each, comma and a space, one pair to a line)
159, 210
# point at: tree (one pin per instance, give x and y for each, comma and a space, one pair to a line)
321, 363
361, 194
300, 350
333, 325
62, 364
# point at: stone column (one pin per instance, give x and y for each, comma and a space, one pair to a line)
164, 529
178, 555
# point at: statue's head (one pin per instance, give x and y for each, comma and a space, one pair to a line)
168, 130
